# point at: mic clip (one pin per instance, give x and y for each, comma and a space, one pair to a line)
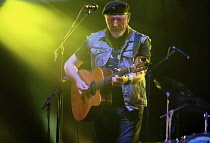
91, 7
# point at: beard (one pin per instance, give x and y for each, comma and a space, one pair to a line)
116, 33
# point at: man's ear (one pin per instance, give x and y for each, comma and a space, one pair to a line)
129, 16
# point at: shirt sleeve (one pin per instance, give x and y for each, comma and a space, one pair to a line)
83, 52
145, 49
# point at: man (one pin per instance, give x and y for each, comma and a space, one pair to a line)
117, 47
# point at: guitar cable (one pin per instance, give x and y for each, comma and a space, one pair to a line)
78, 132
48, 122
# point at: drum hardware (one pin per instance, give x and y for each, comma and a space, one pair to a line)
201, 138
179, 96
196, 138
169, 115
170, 87
206, 116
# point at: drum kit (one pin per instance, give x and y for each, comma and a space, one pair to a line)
180, 97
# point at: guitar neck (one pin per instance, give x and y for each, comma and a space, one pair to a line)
108, 79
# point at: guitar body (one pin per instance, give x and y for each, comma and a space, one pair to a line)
89, 105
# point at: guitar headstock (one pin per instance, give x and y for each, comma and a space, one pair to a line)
140, 64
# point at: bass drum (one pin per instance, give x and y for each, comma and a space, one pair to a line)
199, 138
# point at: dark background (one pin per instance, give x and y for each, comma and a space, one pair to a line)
180, 23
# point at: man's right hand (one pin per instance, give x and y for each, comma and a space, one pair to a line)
81, 86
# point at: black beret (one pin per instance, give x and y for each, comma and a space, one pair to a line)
116, 7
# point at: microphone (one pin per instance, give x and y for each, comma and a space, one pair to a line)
91, 7
180, 51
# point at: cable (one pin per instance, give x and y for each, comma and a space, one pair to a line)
78, 132
48, 122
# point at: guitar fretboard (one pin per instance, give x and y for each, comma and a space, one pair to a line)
108, 79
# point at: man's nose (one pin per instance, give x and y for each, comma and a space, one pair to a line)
115, 23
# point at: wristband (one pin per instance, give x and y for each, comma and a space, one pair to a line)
130, 79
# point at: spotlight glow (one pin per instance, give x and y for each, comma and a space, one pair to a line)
29, 30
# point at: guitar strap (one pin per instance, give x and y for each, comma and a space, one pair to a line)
136, 44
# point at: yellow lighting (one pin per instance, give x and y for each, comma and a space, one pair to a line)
31, 31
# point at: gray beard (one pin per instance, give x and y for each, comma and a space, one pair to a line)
117, 35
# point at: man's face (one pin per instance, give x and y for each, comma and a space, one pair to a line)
117, 24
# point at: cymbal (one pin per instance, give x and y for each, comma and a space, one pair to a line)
170, 85
179, 95
192, 103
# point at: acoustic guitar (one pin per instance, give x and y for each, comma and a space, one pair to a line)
89, 105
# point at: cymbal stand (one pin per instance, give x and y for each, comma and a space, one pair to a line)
206, 116
148, 89
168, 118
169, 115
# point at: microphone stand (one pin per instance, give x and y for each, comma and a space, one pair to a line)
148, 89
59, 53
47, 105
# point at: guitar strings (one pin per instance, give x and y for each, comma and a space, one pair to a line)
108, 79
